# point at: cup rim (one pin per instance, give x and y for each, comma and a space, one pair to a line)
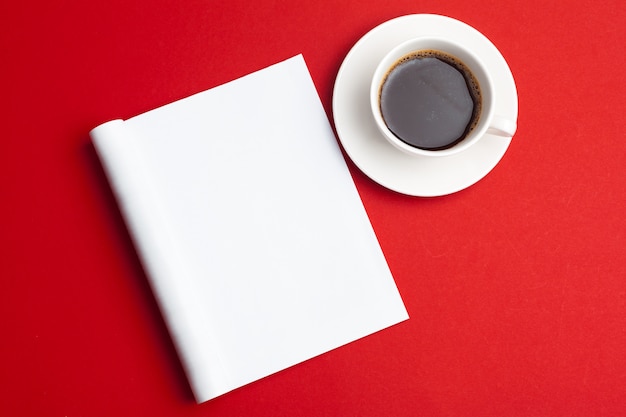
477, 65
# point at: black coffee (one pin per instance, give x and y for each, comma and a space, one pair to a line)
430, 100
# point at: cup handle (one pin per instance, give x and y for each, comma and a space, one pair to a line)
502, 127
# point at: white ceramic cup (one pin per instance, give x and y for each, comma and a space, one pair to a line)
488, 121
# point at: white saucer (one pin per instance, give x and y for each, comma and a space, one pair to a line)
370, 151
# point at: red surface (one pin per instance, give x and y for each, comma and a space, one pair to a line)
516, 287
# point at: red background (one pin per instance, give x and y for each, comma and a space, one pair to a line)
516, 286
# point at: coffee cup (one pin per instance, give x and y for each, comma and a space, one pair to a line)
432, 96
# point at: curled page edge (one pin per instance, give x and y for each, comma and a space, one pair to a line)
159, 255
